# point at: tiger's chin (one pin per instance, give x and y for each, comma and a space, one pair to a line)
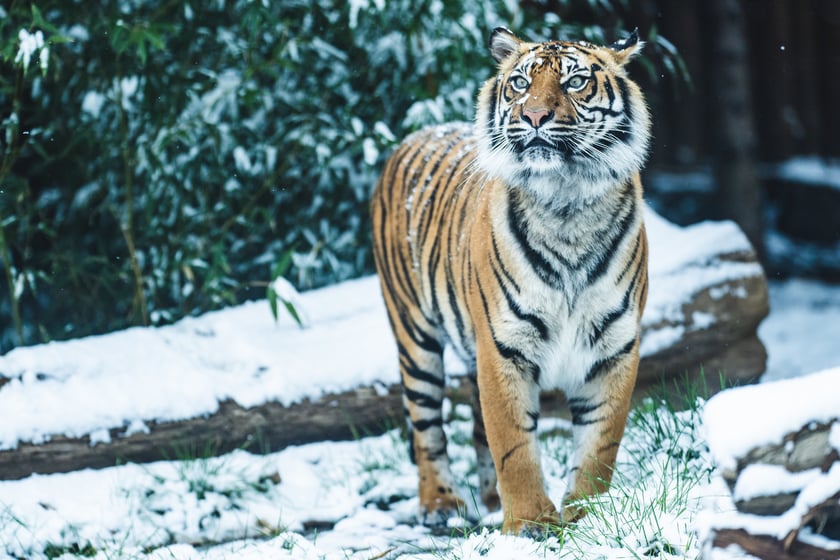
554, 178
543, 157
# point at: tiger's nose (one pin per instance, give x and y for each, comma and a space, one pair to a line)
537, 118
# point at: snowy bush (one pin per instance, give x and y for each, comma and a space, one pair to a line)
158, 159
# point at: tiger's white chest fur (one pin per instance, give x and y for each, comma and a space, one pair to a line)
583, 301
567, 356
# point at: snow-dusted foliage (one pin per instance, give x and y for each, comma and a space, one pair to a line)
157, 159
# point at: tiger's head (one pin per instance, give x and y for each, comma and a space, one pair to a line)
562, 119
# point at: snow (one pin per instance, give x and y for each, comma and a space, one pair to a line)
801, 306
816, 490
742, 419
331, 500
765, 424
92, 103
371, 152
184, 370
811, 170
768, 480
680, 260
30, 43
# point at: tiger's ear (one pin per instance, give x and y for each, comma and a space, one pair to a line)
503, 43
626, 49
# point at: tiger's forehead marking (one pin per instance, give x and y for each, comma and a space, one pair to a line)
561, 56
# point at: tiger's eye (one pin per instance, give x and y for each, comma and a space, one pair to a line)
519, 82
576, 82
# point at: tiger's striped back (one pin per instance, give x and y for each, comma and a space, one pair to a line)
421, 213
517, 243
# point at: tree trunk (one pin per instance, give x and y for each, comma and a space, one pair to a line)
738, 189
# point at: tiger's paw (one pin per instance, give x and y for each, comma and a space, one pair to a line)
572, 512
538, 531
437, 512
491, 500
538, 524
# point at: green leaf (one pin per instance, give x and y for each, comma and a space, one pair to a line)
293, 312
155, 40
281, 267
59, 39
272, 301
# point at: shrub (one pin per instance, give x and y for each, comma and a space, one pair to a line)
158, 158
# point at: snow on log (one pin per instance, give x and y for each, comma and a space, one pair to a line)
778, 449
236, 378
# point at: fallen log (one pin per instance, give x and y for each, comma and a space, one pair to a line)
787, 482
286, 386
770, 548
260, 429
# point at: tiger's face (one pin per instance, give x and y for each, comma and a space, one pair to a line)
561, 118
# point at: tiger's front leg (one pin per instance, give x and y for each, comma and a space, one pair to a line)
599, 414
510, 406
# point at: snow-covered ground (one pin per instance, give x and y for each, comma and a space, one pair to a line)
350, 500
802, 333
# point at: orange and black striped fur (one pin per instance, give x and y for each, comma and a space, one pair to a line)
518, 240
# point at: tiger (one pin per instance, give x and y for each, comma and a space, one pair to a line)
518, 241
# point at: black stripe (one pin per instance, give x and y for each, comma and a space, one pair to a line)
410, 368
579, 410
602, 366
581, 422
595, 88
510, 353
436, 454
611, 317
422, 399
610, 92
643, 295
499, 260
454, 227
632, 260
534, 416
507, 455
423, 340
514, 306
439, 189
624, 92
401, 275
434, 262
604, 258
453, 302
608, 447
423, 425
538, 262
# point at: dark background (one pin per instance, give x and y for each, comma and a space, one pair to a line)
764, 86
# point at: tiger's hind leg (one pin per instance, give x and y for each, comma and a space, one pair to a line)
599, 414
421, 369
483, 458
